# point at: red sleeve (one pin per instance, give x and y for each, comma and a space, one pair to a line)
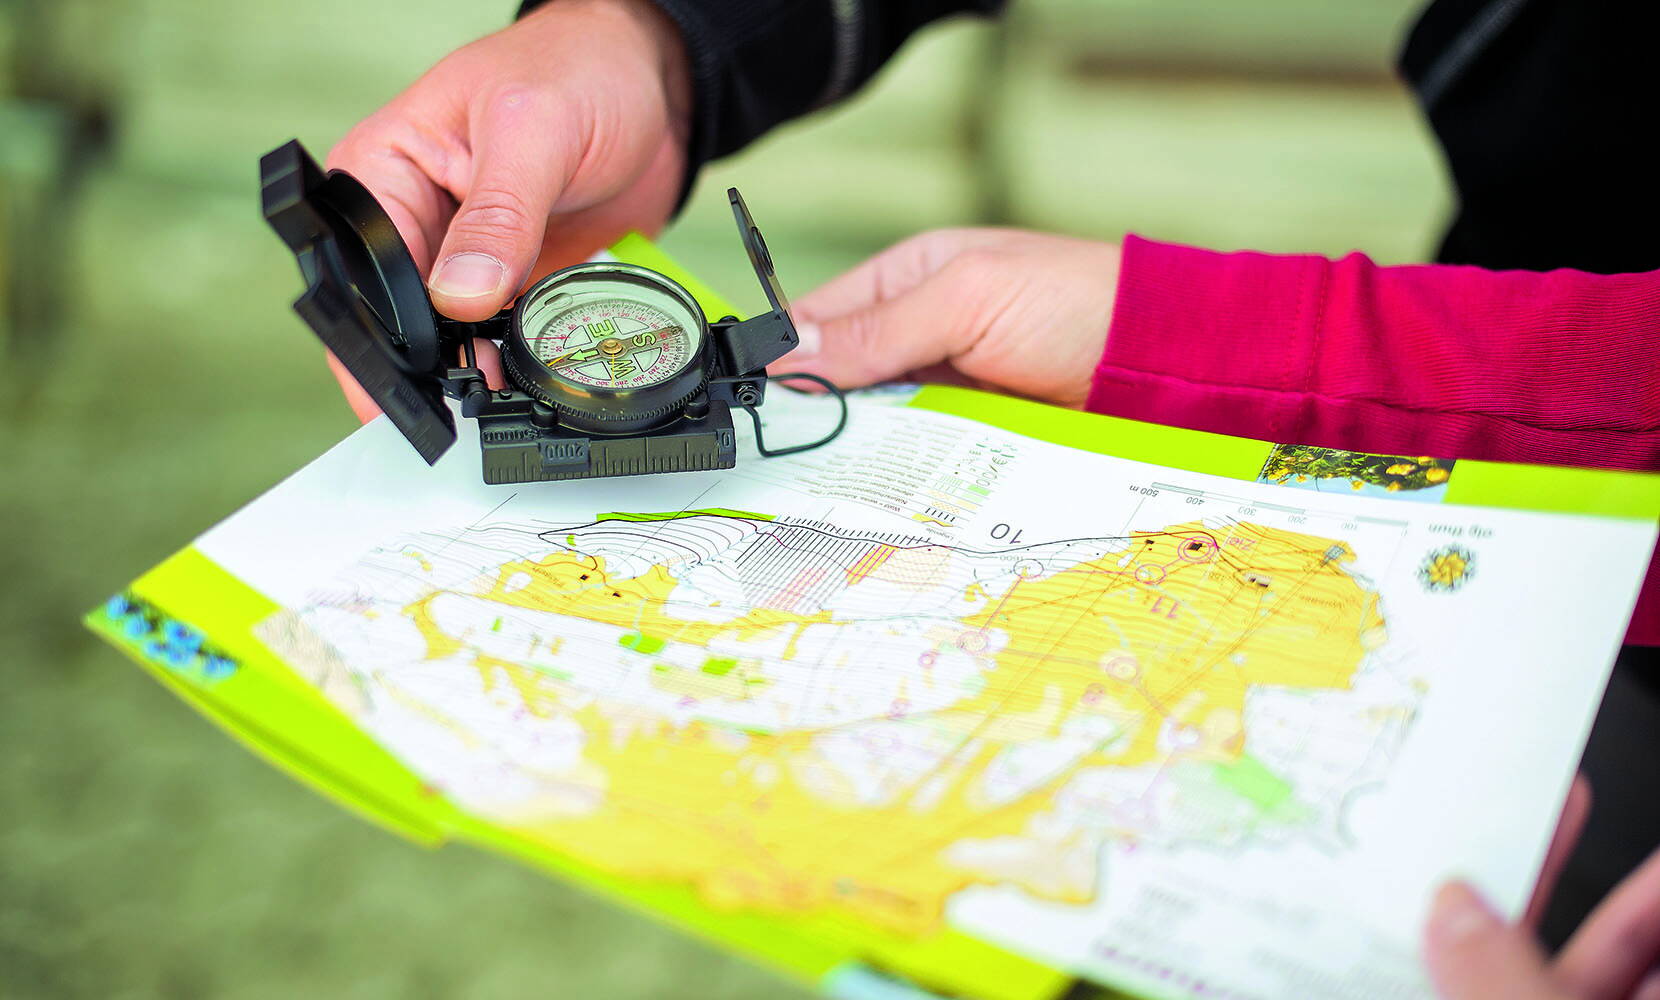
1559, 367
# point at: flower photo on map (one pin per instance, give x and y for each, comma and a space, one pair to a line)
1330, 470
1447, 569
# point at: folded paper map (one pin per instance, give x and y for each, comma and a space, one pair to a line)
986, 699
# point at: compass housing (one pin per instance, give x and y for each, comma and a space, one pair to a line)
593, 405
366, 301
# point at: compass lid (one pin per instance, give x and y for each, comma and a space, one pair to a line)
764, 339
364, 296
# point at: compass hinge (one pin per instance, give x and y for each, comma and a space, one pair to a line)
494, 328
755, 343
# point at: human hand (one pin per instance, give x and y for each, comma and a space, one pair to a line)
1016, 311
1474, 955
526, 151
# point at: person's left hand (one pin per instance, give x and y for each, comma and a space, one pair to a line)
1015, 311
1474, 955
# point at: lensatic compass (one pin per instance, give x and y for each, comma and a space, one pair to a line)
612, 369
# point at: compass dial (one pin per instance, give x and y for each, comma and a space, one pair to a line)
611, 345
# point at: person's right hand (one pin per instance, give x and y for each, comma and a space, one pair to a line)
528, 150
1615, 955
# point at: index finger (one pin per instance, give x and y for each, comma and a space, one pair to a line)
419, 206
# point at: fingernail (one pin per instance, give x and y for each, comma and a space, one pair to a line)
468, 276
809, 338
1459, 914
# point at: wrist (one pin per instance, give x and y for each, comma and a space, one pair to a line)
656, 33
674, 64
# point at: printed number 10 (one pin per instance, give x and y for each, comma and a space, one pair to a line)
1003, 533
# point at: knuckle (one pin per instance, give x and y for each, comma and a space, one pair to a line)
497, 215
973, 267
511, 98
956, 236
953, 240
931, 250
355, 144
856, 344
466, 61
860, 335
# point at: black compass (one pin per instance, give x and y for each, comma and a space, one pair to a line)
612, 368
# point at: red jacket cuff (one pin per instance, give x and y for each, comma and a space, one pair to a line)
1247, 319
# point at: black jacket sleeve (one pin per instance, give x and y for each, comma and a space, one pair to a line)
756, 63
1541, 108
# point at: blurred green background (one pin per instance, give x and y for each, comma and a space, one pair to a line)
156, 380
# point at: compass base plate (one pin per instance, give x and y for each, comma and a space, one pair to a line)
516, 451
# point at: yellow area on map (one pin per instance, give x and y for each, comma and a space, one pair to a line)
1153, 645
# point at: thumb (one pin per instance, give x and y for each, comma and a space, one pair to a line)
520, 167
1474, 955
929, 324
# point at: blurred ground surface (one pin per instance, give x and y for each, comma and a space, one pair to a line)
156, 380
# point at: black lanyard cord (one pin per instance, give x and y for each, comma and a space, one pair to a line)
830, 387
